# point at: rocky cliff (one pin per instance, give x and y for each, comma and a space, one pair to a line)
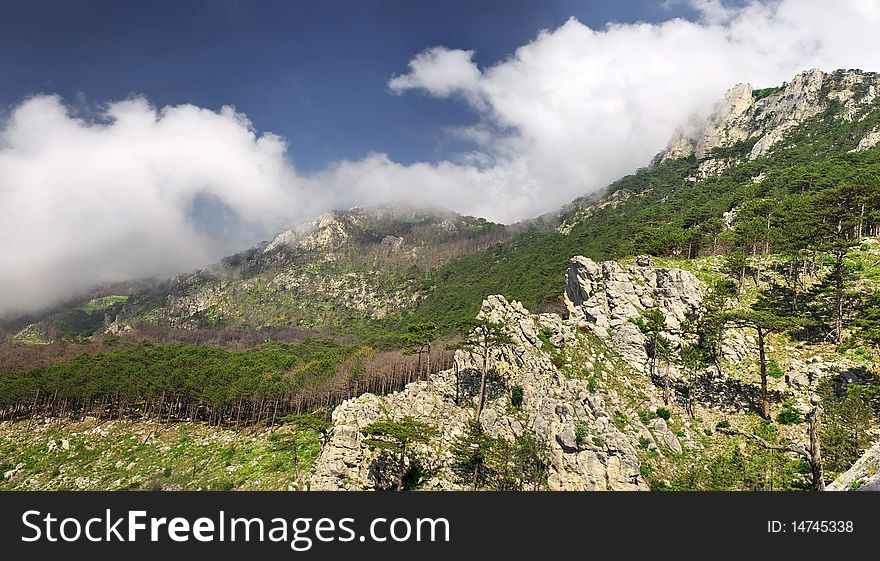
552, 407
764, 117
606, 296
558, 363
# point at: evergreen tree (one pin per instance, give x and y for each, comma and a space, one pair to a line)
764, 323
397, 438
652, 324
482, 337
469, 456
867, 325
418, 338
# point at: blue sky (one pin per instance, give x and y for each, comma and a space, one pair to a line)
314, 72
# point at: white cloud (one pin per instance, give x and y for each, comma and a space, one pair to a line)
89, 201
439, 71
84, 202
578, 107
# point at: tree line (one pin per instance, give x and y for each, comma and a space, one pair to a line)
181, 382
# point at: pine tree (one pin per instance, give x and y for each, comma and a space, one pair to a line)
481, 337
418, 338
652, 324
397, 438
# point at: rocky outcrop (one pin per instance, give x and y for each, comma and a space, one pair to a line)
869, 141
864, 475
605, 297
327, 233
554, 409
743, 116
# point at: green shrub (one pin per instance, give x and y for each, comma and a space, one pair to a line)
723, 424
516, 396
663, 413
789, 415
581, 432
774, 370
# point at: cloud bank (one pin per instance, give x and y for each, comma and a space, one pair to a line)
139, 191
119, 198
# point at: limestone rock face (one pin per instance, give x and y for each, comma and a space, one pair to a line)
326, 233
864, 475
869, 141
606, 296
552, 409
728, 122
740, 116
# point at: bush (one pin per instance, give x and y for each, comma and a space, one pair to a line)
581, 432
723, 424
663, 413
774, 370
789, 415
620, 419
516, 396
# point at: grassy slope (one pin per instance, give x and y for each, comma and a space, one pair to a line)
136, 455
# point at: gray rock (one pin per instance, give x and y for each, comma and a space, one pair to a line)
552, 406
661, 430
606, 297
14, 473
864, 475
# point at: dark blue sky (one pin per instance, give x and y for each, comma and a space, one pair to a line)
314, 72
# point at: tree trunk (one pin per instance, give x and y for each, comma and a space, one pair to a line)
483, 384
838, 299
762, 361
666, 386
815, 449
400, 466
861, 221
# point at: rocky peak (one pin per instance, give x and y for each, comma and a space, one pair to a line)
328, 232
386, 225
766, 115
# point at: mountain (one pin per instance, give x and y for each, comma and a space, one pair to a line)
344, 269
678, 330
